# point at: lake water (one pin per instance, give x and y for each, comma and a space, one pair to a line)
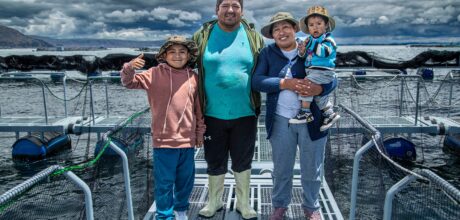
24, 99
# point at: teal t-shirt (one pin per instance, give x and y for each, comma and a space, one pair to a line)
228, 63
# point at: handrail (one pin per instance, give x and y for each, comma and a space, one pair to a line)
33, 76
29, 183
126, 177
445, 186
357, 158
361, 120
388, 207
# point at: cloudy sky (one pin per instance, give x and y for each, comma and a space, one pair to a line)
366, 21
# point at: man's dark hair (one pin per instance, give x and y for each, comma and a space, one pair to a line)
220, 2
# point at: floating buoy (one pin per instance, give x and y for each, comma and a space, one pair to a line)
452, 144
57, 77
127, 145
115, 74
94, 74
359, 72
400, 149
426, 73
38, 146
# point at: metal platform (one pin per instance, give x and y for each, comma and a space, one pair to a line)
73, 124
404, 124
260, 199
100, 124
37, 124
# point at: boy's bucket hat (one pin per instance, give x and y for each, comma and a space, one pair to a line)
181, 40
317, 10
280, 16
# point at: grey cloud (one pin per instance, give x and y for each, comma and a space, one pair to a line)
141, 19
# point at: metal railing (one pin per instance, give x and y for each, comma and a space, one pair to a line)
122, 154
38, 76
406, 95
8, 196
442, 184
34, 76
374, 145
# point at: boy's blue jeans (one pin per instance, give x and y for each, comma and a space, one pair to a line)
284, 139
174, 176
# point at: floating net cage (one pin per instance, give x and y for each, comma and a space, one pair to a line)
391, 93
51, 195
426, 196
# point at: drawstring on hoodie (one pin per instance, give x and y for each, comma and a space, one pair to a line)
170, 97
188, 97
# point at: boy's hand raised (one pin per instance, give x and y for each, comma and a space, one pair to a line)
138, 62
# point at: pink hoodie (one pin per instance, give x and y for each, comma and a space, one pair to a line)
177, 118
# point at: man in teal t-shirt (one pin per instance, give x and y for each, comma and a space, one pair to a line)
228, 54
228, 62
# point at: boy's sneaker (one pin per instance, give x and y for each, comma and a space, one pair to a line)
182, 215
309, 215
278, 214
301, 117
329, 121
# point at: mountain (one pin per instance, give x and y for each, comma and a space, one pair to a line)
95, 43
11, 38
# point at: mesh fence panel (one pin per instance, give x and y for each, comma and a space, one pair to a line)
424, 200
377, 175
56, 197
396, 95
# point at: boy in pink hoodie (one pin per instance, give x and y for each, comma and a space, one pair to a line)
177, 121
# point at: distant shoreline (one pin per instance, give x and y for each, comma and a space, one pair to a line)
91, 48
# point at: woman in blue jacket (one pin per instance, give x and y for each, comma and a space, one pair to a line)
280, 73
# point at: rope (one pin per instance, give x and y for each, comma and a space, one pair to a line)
84, 165
106, 144
62, 99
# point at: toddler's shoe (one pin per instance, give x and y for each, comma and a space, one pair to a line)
329, 121
301, 117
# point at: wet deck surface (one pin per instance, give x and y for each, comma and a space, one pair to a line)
260, 198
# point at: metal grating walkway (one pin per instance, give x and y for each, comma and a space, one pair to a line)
260, 198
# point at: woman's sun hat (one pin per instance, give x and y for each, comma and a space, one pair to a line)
317, 10
181, 40
280, 16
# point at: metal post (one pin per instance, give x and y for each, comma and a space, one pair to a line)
417, 99
44, 104
106, 99
86, 191
335, 95
91, 101
373, 55
401, 98
388, 207
129, 200
354, 181
64, 79
451, 82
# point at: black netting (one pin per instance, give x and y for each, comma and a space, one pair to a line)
115, 61
56, 197
377, 175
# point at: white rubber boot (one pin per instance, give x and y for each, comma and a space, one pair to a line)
215, 191
242, 195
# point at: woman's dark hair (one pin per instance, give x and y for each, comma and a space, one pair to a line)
220, 2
